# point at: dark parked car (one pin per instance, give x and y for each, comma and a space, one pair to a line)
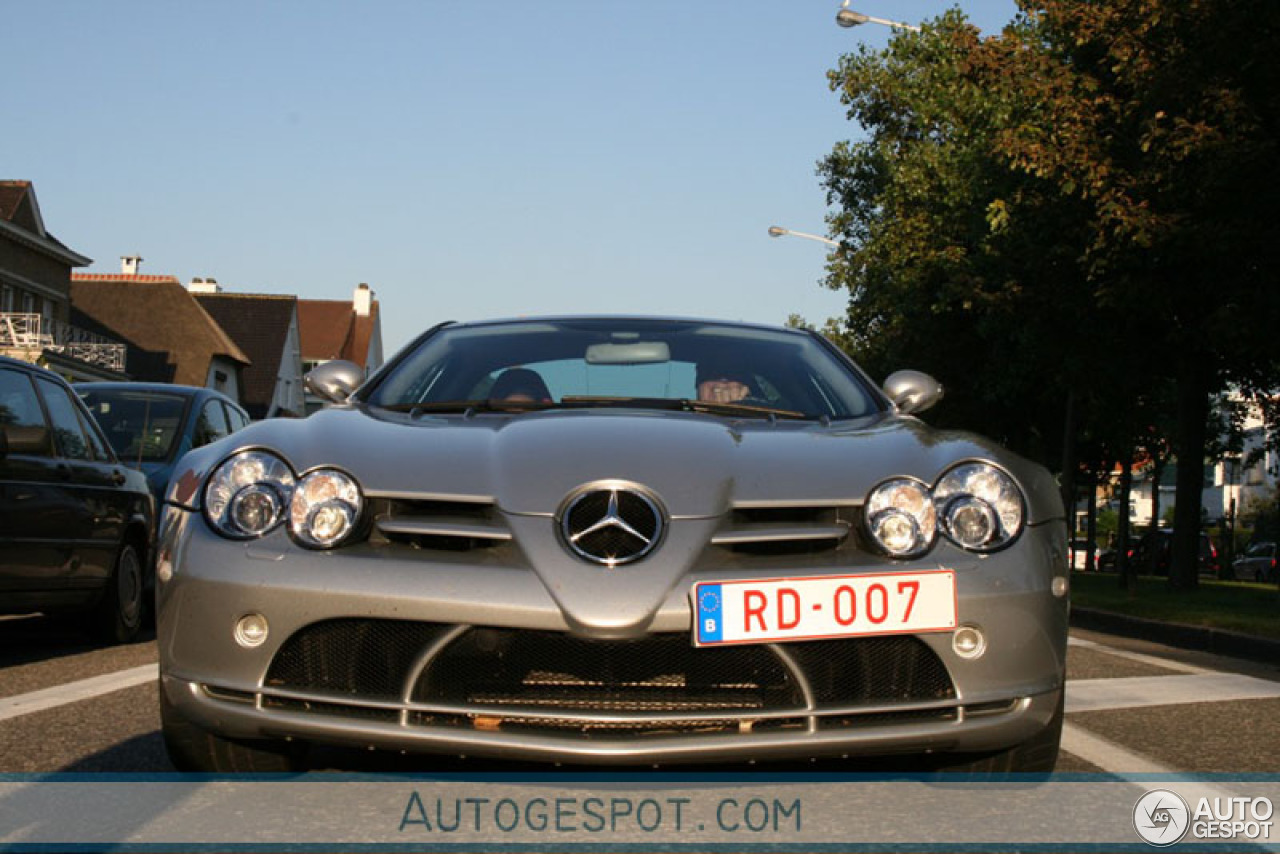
613, 540
1161, 541
151, 425
75, 524
1258, 563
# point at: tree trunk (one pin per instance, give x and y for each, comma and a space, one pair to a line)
1157, 474
1153, 554
1091, 515
1193, 415
1069, 473
1128, 573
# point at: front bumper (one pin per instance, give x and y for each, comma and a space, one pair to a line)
207, 584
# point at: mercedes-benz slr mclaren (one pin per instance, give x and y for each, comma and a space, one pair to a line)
613, 541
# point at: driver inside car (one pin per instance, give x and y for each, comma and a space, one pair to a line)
723, 383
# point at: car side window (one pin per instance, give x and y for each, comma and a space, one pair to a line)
21, 415
68, 431
97, 445
238, 419
212, 424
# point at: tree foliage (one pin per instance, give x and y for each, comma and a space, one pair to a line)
1092, 193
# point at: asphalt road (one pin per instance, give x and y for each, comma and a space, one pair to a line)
1132, 706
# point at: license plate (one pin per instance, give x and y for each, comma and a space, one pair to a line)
782, 609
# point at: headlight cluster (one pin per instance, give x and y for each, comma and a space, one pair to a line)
253, 492
975, 505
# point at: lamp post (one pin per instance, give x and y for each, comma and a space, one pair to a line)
779, 231
846, 17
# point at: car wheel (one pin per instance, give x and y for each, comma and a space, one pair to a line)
118, 615
193, 749
1037, 755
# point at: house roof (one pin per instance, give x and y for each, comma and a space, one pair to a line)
137, 278
170, 337
330, 329
18, 206
259, 323
20, 221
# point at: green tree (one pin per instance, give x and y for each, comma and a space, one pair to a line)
1162, 118
1094, 192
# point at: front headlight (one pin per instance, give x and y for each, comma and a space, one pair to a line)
324, 509
980, 507
246, 496
901, 517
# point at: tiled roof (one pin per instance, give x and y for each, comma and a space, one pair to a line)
330, 329
124, 277
259, 323
170, 337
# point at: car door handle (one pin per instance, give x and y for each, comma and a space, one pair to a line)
118, 478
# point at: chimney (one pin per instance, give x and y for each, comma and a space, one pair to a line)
362, 302
129, 264
204, 286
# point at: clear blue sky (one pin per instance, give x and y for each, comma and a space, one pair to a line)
466, 159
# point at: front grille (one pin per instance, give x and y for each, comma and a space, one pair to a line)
785, 530
655, 675
368, 659
437, 524
897, 668
513, 679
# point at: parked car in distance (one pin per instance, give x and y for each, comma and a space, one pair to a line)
1258, 563
1080, 555
613, 540
1161, 542
151, 425
75, 524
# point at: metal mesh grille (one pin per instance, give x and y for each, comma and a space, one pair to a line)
873, 670
554, 671
567, 677
363, 658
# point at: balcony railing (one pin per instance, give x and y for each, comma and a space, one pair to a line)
27, 331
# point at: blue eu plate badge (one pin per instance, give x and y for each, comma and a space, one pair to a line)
709, 608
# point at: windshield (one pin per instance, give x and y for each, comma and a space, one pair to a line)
626, 362
142, 426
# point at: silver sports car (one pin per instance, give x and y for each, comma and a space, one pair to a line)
613, 540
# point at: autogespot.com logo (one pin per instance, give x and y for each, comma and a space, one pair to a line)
1161, 817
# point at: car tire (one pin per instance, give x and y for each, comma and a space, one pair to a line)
118, 616
1037, 755
193, 749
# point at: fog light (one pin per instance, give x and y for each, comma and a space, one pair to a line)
251, 630
1059, 586
969, 642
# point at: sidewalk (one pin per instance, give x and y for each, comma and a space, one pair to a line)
1217, 641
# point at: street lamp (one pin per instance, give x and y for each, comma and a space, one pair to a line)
778, 231
846, 17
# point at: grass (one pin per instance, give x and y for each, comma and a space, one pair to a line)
1236, 606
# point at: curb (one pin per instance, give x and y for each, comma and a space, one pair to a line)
1217, 641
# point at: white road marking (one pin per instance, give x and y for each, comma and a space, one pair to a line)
1091, 695
1155, 661
74, 692
1106, 754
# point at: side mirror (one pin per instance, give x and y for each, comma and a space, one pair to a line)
29, 441
912, 391
334, 381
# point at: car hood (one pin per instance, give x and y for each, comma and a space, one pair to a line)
699, 466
